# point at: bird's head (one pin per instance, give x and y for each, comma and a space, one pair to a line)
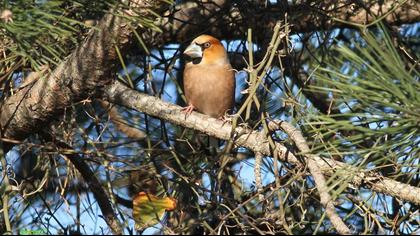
206, 49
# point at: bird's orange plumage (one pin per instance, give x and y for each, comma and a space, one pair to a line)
209, 80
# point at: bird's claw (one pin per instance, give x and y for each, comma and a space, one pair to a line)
226, 118
187, 110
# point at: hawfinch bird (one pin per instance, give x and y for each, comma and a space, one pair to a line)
209, 80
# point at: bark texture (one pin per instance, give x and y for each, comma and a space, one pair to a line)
82, 75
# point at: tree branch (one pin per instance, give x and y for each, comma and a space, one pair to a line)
315, 170
94, 184
257, 173
256, 141
82, 75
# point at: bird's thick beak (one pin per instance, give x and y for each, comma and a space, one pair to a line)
193, 51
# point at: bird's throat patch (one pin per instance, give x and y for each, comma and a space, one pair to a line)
196, 60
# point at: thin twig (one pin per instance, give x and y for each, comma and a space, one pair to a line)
257, 173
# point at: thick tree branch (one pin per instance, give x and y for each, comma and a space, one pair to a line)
256, 141
82, 75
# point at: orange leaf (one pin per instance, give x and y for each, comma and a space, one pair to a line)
149, 209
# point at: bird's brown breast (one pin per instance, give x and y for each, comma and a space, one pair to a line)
210, 88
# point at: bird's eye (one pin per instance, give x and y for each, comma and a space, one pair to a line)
206, 45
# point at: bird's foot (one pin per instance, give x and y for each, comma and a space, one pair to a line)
226, 118
188, 110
